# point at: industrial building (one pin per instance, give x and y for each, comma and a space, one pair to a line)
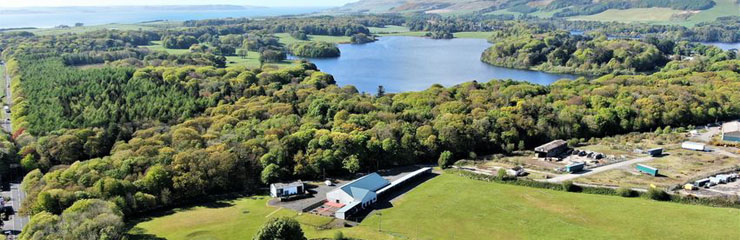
694, 146
731, 131
552, 149
283, 190
361, 193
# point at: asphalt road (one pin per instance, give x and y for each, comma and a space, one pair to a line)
571, 176
16, 222
8, 100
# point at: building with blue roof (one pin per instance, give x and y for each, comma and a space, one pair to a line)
357, 194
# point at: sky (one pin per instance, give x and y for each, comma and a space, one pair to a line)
265, 3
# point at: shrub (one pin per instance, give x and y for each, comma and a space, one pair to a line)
472, 156
658, 194
502, 174
280, 228
568, 186
626, 192
445, 159
338, 235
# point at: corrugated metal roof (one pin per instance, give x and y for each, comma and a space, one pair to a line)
371, 182
284, 185
551, 145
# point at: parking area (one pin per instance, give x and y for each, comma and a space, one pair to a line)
729, 188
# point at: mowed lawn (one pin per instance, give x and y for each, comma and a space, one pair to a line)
235, 219
454, 207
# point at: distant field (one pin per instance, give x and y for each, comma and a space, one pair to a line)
432, 211
389, 29
648, 15
723, 8
118, 26
157, 46
286, 39
663, 15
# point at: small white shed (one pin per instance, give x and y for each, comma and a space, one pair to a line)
287, 189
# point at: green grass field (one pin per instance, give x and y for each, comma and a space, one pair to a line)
663, 15
723, 8
646, 15
433, 211
111, 26
157, 46
286, 39
388, 29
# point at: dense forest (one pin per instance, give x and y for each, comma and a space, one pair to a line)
314, 49
724, 29
148, 130
566, 53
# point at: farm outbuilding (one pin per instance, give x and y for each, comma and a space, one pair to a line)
731, 131
655, 152
363, 192
552, 149
357, 194
694, 146
575, 167
647, 169
282, 190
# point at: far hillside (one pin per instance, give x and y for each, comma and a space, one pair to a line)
684, 12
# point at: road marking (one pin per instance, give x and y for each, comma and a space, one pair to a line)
273, 212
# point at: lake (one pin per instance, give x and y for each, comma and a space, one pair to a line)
412, 64
50, 17
724, 46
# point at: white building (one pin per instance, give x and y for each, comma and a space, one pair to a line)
287, 189
357, 194
731, 131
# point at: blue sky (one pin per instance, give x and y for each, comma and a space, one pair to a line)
266, 3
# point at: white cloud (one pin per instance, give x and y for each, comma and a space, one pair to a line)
267, 3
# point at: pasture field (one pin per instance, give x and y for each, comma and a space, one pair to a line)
110, 26
432, 211
389, 29
157, 46
647, 15
663, 15
481, 35
286, 39
723, 8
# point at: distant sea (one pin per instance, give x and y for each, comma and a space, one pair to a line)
50, 17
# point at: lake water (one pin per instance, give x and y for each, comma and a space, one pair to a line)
50, 17
412, 63
724, 46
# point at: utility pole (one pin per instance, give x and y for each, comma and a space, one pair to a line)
380, 220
